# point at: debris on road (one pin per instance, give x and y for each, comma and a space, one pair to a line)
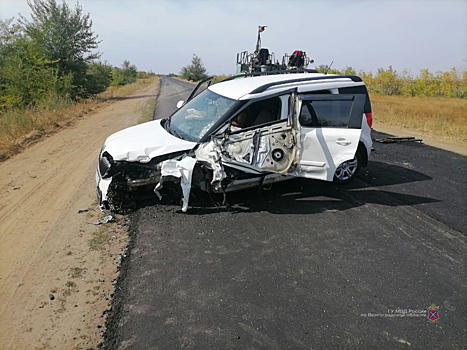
398, 140
104, 220
82, 211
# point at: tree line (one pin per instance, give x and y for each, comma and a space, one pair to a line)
54, 55
388, 81
427, 84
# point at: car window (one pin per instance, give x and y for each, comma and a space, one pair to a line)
192, 121
325, 113
360, 89
259, 113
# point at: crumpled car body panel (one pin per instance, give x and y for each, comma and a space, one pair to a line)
143, 142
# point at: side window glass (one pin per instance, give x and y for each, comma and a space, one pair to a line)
259, 113
361, 89
325, 113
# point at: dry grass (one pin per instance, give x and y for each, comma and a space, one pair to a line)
99, 238
148, 111
437, 116
21, 127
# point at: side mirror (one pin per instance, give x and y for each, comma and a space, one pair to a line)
180, 103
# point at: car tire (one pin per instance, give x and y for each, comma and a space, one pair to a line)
349, 169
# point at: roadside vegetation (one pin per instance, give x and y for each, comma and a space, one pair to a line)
46, 81
427, 84
443, 118
434, 104
194, 71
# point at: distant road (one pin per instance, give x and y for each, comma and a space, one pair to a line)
172, 91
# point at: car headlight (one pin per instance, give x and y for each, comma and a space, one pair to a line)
105, 163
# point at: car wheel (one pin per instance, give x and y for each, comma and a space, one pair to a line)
347, 170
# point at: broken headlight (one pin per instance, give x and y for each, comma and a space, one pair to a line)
105, 162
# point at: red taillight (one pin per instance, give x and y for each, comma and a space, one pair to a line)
369, 119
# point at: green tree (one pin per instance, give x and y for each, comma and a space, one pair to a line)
386, 82
66, 37
28, 77
98, 77
195, 71
125, 75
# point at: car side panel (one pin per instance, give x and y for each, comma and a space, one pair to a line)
323, 149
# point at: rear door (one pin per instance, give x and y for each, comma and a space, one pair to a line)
329, 128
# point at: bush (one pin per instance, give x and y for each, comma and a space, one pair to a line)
98, 78
27, 76
125, 75
427, 84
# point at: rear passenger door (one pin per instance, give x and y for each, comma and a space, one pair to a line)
329, 129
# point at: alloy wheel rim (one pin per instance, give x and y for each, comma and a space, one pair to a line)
347, 169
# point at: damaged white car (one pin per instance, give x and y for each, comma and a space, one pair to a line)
249, 130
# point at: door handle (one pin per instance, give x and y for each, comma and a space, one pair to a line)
343, 142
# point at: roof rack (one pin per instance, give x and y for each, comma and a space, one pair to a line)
285, 71
264, 87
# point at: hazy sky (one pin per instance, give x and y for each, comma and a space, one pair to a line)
365, 34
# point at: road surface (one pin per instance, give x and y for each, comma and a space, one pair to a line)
172, 90
305, 265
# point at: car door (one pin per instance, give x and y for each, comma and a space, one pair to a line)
202, 85
329, 129
267, 148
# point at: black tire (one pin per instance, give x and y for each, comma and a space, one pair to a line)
349, 172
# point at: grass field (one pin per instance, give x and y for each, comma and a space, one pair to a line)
21, 127
436, 116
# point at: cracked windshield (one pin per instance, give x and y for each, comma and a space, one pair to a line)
195, 118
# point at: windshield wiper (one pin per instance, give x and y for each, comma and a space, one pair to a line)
173, 132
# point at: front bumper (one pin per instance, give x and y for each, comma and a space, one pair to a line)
102, 187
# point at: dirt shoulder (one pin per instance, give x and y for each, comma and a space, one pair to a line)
50, 251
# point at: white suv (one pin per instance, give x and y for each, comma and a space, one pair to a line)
249, 130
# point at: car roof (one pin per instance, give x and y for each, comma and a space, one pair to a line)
243, 88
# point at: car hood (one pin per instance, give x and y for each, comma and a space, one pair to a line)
143, 142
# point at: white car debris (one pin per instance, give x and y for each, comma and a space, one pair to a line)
249, 130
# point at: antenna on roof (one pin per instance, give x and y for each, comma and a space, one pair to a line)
258, 42
328, 68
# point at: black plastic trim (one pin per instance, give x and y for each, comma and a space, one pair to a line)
324, 97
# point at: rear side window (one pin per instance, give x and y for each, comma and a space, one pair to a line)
325, 113
361, 89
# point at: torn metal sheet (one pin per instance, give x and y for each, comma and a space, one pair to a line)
105, 220
211, 154
182, 169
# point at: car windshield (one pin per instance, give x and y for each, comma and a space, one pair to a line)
193, 120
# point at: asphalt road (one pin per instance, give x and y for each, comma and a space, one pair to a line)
305, 265
172, 90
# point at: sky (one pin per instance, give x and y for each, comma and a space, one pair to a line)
162, 35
